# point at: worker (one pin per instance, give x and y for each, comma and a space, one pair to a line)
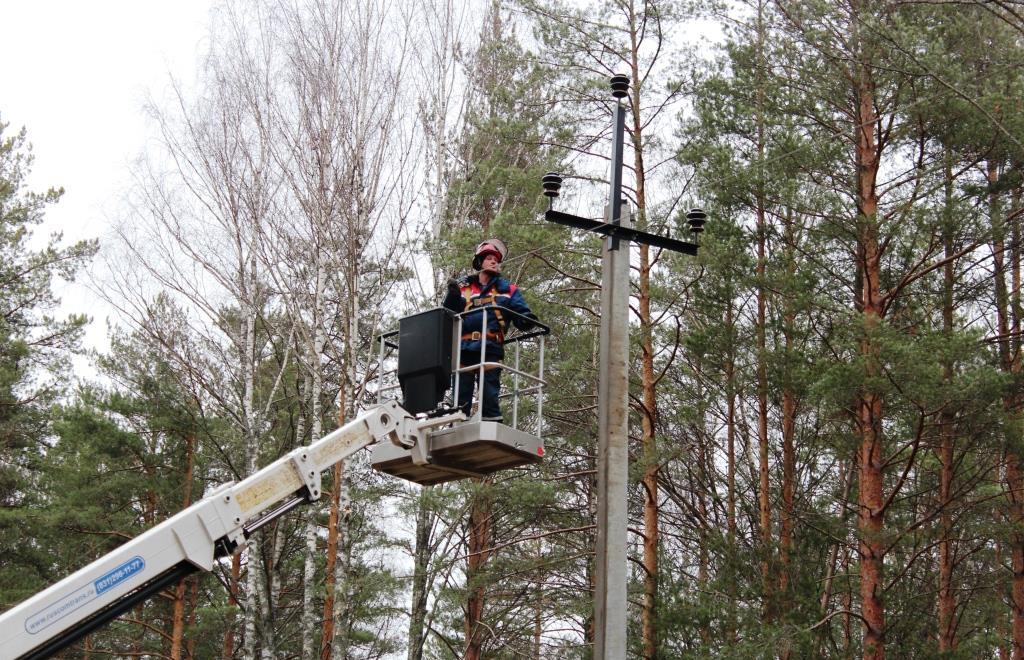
485, 288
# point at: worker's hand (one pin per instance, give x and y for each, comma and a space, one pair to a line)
527, 323
457, 284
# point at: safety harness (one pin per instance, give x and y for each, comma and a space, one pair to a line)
484, 301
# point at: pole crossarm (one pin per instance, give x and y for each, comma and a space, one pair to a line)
619, 231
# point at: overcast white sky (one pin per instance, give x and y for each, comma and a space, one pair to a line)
76, 74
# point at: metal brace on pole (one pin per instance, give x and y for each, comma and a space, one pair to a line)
614, 212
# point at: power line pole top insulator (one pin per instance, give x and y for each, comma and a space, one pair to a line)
620, 85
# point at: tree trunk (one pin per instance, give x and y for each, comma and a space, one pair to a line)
341, 608
332, 558
763, 490
591, 540
704, 559
648, 412
252, 558
764, 493
703, 476
1001, 627
479, 543
178, 619
311, 383
947, 599
327, 639
871, 500
228, 647
649, 634
149, 508
730, 477
947, 547
846, 473
420, 587
315, 389
190, 645
848, 607
340, 612
538, 602
268, 597
1014, 476
787, 516
1015, 486
309, 581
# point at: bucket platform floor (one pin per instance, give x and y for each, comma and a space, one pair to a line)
467, 449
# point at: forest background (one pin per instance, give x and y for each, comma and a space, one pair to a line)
826, 430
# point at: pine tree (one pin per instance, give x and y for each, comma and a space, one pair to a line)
34, 352
123, 460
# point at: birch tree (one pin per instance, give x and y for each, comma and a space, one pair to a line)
344, 149
194, 230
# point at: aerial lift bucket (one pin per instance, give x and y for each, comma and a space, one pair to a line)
428, 356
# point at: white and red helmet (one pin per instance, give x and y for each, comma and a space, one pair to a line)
493, 246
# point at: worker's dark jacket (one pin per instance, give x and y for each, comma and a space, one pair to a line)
499, 293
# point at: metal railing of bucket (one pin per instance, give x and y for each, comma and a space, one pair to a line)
520, 340
386, 379
517, 338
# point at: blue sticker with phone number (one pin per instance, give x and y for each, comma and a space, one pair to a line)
109, 580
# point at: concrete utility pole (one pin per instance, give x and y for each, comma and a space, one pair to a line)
613, 423
610, 605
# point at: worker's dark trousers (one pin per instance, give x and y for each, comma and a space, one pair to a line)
492, 388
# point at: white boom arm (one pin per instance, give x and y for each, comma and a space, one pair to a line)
191, 540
